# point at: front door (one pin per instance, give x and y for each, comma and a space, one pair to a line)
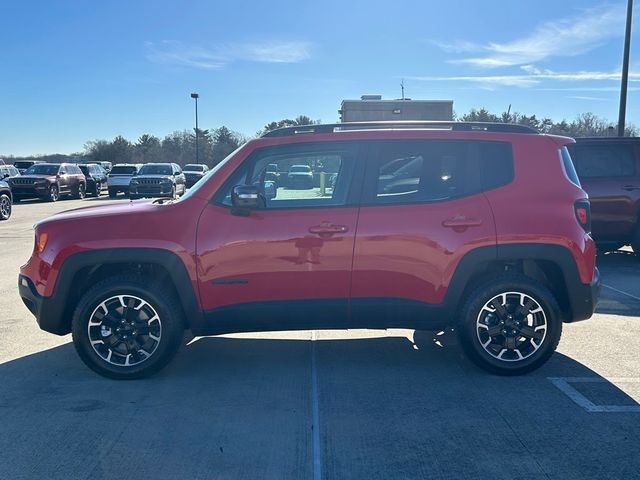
288, 265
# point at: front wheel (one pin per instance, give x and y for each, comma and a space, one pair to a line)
511, 326
5, 207
126, 327
54, 193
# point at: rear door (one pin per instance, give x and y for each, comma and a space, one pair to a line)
288, 265
422, 210
608, 172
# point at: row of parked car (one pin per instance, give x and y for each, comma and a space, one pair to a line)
53, 181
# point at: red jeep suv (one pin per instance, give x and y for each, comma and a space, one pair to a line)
482, 227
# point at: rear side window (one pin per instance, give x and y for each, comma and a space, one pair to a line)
598, 160
436, 170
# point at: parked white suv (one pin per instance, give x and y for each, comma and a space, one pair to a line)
120, 176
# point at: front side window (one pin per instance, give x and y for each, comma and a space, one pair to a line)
612, 160
297, 176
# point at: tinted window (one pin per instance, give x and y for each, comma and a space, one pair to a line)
23, 164
613, 160
85, 169
123, 170
568, 166
194, 168
331, 165
435, 170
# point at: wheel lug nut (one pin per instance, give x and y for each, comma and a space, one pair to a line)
514, 331
504, 332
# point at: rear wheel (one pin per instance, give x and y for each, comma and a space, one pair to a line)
126, 327
97, 189
81, 192
511, 326
5, 206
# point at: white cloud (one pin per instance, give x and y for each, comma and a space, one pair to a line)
558, 38
534, 77
216, 57
590, 99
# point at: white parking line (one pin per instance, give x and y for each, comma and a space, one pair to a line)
620, 291
315, 414
563, 384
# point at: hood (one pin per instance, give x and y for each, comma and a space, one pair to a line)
121, 208
152, 177
38, 176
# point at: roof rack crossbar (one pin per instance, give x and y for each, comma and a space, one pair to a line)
399, 125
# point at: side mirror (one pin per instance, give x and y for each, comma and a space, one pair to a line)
245, 198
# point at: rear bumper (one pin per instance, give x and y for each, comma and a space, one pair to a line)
47, 310
584, 299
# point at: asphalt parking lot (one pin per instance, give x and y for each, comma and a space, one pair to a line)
340, 404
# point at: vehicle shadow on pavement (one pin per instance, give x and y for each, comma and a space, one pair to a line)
388, 407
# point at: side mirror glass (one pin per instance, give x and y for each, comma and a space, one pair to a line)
245, 198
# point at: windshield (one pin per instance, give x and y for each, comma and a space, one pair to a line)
300, 169
42, 170
156, 170
123, 170
208, 175
193, 168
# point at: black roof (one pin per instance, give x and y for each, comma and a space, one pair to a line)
402, 125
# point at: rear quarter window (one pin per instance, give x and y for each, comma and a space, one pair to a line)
569, 168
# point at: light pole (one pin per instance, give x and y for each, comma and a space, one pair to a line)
195, 97
625, 72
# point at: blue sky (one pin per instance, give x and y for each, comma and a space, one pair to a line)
72, 71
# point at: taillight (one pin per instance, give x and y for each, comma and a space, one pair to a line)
583, 214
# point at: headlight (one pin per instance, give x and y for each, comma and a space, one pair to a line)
133, 182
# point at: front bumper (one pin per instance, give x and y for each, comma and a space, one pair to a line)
584, 299
48, 311
36, 191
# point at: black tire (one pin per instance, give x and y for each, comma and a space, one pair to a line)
5, 206
112, 193
81, 192
535, 351
97, 189
159, 301
54, 193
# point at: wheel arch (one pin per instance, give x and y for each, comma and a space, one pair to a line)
82, 270
551, 265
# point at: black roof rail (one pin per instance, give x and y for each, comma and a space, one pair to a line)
400, 125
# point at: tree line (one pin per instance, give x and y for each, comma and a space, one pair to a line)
215, 144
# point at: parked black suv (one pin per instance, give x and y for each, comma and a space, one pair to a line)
609, 171
6, 200
49, 181
96, 178
194, 172
158, 180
